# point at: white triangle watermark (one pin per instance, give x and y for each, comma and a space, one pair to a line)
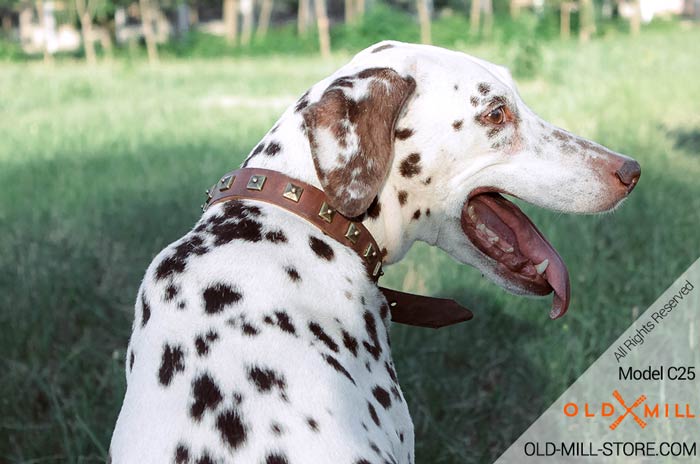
639, 402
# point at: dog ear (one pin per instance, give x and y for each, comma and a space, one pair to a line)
351, 134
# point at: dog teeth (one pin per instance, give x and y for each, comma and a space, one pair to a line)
542, 266
509, 250
471, 213
493, 239
481, 227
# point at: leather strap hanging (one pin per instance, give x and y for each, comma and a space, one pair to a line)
310, 203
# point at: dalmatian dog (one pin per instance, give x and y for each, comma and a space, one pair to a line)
257, 339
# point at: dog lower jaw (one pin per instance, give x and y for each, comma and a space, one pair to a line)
515, 249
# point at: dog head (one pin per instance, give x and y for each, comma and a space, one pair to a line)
420, 142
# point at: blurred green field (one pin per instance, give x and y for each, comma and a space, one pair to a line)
102, 167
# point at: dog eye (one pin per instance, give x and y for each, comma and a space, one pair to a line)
496, 116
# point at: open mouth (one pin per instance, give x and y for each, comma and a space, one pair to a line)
523, 257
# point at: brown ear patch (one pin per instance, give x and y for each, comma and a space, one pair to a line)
351, 134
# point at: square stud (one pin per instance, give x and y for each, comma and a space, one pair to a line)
353, 233
377, 269
370, 252
256, 182
292, 192
225, 182
326, 212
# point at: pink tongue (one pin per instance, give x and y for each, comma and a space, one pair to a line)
497, 213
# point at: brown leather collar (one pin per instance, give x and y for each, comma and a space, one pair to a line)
310, 203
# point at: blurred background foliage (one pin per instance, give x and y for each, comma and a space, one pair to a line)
104, 158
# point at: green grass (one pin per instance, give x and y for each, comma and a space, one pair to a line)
102, 167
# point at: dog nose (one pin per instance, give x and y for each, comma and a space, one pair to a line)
629, 173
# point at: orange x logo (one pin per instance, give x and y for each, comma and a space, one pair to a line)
628, 410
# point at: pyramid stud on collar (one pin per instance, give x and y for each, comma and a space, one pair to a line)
225, 182
256, 182
353, 233
370, 252
326, 212
292, 192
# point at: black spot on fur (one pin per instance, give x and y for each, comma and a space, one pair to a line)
205, 459
258, 149
218, 296
249, 330
410, 166
230, 425
403, 134
321, 248
313, 425
175, 263
382, 47
238, 222
321, 335
456, 86
276, 428
145, 310
372, 346
266, 379
373, 413
182, 454
273, 149
474, 101
403, 196
416, 215
427, 212
382, 396
350, 343
292, 273
202, 342
132, 358
171, 362
392, 373
457, 125
284, 322
338, 367
276, 458
276, 236
171, 292
303, 102
484, 88
181, 305
206, 396
401, 437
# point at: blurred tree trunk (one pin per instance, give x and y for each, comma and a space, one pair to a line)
84, 11
48, 58
587, 21
636, 19
565, 29
247, 11
147, 27
230, 13
324, 37
424, 19
7, 25
349, 11
264, 19
360, 11
303, 17
487, 7
475, 17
